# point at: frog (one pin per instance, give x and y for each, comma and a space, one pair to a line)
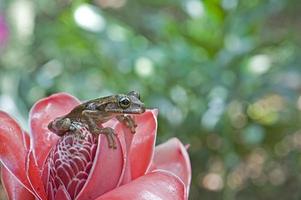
92, 114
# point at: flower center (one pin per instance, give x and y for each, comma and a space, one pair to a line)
69, 163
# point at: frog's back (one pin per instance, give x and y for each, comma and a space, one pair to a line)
76, 112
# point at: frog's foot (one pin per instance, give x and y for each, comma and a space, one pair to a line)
110, 134
128, 121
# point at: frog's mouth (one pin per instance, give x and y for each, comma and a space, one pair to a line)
131, 110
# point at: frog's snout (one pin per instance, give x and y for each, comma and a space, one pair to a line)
143, 108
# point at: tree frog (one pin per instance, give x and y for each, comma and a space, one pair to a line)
93, 113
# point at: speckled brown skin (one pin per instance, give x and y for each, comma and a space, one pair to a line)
93, 113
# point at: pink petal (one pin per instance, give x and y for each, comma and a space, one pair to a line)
41, 114
156, 185
107, 169
13, 188
172, 156
26, 140
13, 148
62, 194
126, 139
141, 148
34, 177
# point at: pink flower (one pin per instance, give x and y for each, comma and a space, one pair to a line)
41, 165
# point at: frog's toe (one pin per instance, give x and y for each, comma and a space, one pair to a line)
111, 141
110, 135
128, 121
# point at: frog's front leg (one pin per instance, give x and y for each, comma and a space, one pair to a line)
110, 134
92, 118
128, 121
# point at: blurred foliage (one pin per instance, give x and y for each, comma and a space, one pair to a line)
225, 75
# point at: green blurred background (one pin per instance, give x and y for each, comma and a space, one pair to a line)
225, 75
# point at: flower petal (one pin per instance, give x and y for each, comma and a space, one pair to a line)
13, 188
26, 140
156, 185
126, 139
62, 194
107, 169
34, 176
41, 114
172, 156
13, 148
142, 145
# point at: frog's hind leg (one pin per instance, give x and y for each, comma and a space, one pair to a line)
78, 129
128, 121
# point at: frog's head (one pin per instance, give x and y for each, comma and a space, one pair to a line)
60, 125
129, 103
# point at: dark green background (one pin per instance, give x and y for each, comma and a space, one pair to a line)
225, 76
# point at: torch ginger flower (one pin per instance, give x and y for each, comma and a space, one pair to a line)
43, 166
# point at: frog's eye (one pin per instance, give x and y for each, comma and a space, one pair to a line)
124, 102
